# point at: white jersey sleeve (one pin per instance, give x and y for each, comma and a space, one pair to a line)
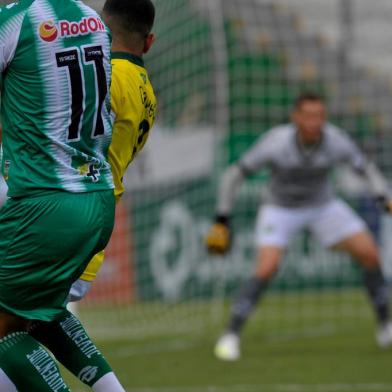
262, 153
11, 19
346, 149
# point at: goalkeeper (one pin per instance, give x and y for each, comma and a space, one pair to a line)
300, 156
133, 100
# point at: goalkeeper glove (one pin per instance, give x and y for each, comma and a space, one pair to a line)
385, 203
218, 239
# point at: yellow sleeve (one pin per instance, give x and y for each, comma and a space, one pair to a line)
124, 130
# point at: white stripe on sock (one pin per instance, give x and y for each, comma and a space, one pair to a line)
108, 382
6, 385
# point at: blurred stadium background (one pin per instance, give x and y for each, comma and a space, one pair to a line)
225, 71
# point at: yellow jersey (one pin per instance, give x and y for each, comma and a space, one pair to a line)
134, 109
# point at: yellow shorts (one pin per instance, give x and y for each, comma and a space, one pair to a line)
90, 273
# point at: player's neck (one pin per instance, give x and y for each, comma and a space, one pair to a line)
118, 47
307, 145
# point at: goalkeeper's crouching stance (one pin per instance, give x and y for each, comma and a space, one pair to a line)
300, 156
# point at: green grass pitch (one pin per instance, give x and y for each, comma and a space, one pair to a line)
313, 345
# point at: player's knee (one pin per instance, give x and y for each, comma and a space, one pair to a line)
268, 262
369, 256
267, 270
10, 323
372, 257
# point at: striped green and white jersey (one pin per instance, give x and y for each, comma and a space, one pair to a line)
55, 106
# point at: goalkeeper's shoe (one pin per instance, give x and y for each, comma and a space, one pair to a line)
384, 335
227, 347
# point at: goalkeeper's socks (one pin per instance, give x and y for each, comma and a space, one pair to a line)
378, 292
25, 366
246, 302
68, 341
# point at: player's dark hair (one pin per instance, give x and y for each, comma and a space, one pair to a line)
134, 16
308, 96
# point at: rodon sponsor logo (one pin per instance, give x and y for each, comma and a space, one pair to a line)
50, 31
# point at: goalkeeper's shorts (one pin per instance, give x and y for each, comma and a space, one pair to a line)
46, 243
330, 223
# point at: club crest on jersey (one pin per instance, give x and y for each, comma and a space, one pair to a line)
50, 31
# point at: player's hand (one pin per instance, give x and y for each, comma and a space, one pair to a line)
218, 239
385, 203
388, 206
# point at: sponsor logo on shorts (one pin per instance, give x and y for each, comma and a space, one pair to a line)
50, 31
269, 228
7, 164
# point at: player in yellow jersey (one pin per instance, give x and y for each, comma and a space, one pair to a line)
133, 99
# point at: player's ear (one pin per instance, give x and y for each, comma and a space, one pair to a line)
150, 39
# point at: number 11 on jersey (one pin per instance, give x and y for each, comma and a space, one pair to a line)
71, 60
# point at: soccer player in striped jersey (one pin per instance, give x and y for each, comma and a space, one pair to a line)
55, 109
133, 99
300, 156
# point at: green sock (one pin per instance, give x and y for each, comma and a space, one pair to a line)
68, 341
28, 365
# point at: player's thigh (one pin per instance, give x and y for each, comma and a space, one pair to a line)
276, 226
362, 248
51, 240
336, 222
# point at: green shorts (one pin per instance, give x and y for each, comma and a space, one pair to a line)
46, 242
